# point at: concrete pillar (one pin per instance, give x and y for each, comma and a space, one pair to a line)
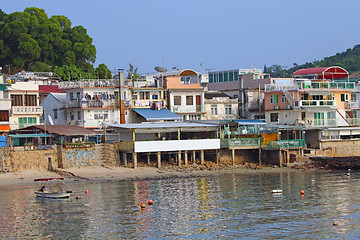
148, 158
186, 158
202, 159
259, 157
169, 155
179, 158
217, 156
125, 158
158, 159
194, 156
135, 159
280, 159
287, 156
233, 156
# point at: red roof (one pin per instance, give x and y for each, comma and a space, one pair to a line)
323, 72
48, 88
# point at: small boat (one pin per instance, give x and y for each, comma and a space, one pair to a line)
276, 191
51, 188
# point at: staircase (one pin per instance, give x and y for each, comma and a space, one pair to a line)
289, 97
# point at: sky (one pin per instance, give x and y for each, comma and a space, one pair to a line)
208, 34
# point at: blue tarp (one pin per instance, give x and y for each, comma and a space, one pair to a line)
2, 141
157, 115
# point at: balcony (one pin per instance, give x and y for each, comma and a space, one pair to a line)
293, 143
37, 110
171, 145
187, 109
318, 123
143, 103
240, 142
315, 103
327, 85
91, 104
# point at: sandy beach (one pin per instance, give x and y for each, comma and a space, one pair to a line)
26, 178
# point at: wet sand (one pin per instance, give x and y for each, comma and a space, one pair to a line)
26, 178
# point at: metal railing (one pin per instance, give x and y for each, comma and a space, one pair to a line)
240, 142
293, 143
91, 104
315, 103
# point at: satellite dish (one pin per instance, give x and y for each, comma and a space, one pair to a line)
160, 69
50, 120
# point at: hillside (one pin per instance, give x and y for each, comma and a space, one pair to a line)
349, 59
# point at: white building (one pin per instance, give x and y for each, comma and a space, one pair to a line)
52, 104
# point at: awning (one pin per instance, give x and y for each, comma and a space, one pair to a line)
157, 115
323, 72
28, 135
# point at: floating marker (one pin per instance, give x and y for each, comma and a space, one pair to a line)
302, 192
143, 206
86, 192
77, 197
150, 202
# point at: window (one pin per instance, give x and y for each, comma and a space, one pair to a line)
211, 77
142, 95
274, 99
4, 116
177, 100
71, 115
101, 115
55, 113
319, 119
221, 77
231, 76
226, 76
344, 97
304, 96
16, 100
283, 98
303, 115
30, 100
189, 100
318, 97
147, 95
79, 115
78, 95
26, 121
274, 117
213, 109
71, 96
155, 96
228, 109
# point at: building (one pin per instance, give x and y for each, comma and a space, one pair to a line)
219, 106
185, 95
5, 107
53, 105
25, 108
317, 97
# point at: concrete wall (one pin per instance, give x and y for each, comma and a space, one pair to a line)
339, 148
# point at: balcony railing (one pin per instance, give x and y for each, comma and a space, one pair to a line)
315, 103
240, 142
327, 85
144, 103
91, 104
187, 109
353, 121
38, 110
280, 87
294, 143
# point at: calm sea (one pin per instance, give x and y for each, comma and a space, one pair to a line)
227, 206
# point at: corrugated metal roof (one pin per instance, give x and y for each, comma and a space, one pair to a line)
156, 115
28, 135
64, 130
162, 125
250, 122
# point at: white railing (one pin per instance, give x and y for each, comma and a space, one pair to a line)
280, 87
27, 110
91, 104
315, 103
319, 123
187, 109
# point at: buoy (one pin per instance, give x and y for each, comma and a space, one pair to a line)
77, 197
143, 206
86, 191
276, 191
150, 202
335, 224
302, 192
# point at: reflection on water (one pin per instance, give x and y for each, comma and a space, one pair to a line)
225, 206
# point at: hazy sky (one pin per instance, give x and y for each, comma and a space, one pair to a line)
222, 35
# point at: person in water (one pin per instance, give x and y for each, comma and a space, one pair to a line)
42, 189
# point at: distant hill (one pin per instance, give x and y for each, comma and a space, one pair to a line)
350, 60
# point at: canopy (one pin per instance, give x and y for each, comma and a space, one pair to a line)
323, 72
157, 115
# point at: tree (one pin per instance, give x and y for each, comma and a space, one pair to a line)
30, 40
132, 73
103, 72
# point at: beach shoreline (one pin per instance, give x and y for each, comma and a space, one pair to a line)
109, 174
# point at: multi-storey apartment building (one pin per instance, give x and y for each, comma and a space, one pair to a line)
316, 97
5, 107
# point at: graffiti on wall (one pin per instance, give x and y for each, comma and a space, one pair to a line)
80, 157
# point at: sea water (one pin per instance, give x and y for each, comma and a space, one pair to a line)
228, 206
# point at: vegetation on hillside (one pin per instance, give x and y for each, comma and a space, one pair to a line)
32, 41
349, 59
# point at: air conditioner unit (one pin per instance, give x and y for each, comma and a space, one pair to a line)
276, 107
287, 107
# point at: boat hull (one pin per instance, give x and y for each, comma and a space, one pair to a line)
52, 195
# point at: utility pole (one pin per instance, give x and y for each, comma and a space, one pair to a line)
121, 73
